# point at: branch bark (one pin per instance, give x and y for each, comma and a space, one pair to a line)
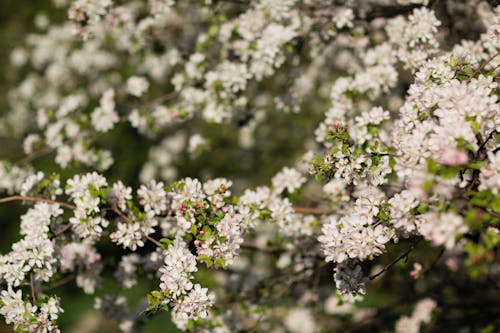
36, 199
314, 211
395, 261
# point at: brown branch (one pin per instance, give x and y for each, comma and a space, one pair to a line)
395, 261
236, 2
123, 216
63, 230
41, 152
61, 282
314, 211
151, 239
35, 199
128, 220
159, 99
32, 287
484, 64
483, 144
435, 261
493, 213
69, 206
389, 11
251, 247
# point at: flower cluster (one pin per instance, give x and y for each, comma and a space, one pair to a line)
205, 211
27, 317
188, 300
34, 254
31, 258
86, 192
86, 13
353, 237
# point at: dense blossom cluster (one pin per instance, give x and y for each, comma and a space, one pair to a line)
27, 317
34, 253
406, 152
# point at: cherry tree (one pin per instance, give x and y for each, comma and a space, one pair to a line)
388, 182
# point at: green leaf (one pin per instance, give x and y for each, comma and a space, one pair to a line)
318, 177
212, 31
477, 165
383, 215
422, 208
448, 172
166, 241
432, 166
203, 257
478, 201
152, 300
488, 329
220, 262
392, 163
495, 205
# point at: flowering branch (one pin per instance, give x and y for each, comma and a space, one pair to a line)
407, 148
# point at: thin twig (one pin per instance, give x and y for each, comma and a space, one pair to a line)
314, 211
483, 144
63, 230
128, 220
35, 199
484, 64
251, 247
402, 256
493, 213
151, 239
61, 282
123, 216
41, 152
435, 261
160, 99
32, 286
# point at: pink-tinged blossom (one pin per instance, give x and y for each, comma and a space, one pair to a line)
441, 229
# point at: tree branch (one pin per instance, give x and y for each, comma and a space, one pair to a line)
251, 247
128, 220
39, 153
61, 282
32, 287
435, 261
484, 64
314, 211
395, 261
35, 199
